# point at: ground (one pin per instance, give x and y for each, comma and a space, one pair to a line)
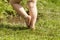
47, 25
18, 32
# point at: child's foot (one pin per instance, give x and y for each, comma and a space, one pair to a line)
28, 20
32, 27
28, 23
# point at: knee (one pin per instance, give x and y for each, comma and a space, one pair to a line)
31, 4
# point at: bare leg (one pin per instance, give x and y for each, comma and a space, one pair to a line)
19, 9
33, 12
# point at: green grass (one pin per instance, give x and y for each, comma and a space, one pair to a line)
47, 26
45, 30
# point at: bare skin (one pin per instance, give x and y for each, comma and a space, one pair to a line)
33, 12
31, 18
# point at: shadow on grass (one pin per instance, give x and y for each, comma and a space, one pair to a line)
13, 27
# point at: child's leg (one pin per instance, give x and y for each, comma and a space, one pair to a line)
19, 9
33, 12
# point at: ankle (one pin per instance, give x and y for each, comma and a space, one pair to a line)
32, 26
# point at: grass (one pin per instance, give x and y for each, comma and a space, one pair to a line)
45, 30
47, 26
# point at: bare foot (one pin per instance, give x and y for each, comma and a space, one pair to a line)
29, 24
32, 27
28, 20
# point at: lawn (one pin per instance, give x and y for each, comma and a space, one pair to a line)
45, 30
47, 25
